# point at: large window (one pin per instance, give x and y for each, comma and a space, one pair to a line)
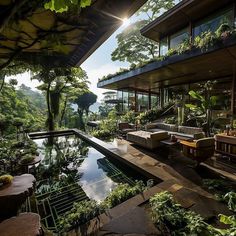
154, 101
132, 101
125, 101
213, 22
164, 46
120, 99
142, 101
178, 38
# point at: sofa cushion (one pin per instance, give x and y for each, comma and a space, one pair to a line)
167, 127
158, 136
161, 126
189, 130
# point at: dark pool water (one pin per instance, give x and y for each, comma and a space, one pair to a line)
72, 171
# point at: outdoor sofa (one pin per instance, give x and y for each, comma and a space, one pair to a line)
185, 132
147, 139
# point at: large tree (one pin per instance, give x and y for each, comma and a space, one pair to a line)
132, 46
56, 82
84, 101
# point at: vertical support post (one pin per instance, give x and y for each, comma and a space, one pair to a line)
136, 100
149, 100
233, 92
161, 97
191, 31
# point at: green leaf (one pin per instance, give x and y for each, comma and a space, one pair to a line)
228, 220
213, 100
85, 3
196, 95
191, 106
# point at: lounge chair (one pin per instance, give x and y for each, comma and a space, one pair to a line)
125, 128
199, 150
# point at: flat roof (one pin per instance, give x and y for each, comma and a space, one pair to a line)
180, 15
190, 67
74, 35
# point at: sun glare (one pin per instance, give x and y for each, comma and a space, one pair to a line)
126, 22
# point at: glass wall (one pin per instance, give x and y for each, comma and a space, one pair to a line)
132, 100
142, 102
125, 101
120, 99
213, 22
128, 102
154, 101
178, 38
164, 46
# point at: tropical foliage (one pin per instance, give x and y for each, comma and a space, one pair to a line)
60, 6
86, 210
21, 106
171, 219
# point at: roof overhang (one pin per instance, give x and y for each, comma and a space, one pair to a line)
180, 16
190, 67
75, 35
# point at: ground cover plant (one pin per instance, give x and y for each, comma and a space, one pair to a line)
171, 219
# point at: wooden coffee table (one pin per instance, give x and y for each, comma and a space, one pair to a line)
171, 147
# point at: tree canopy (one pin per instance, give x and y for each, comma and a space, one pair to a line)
132, 46
57, 83
63, 5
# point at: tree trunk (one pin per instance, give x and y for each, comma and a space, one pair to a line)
50, 121
80, 123
63, 112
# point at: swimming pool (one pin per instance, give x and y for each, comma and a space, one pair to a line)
72, 171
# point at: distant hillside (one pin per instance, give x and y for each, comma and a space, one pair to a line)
95, 107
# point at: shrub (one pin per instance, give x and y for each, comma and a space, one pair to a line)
6, 179
170, 218
102, 133
129, 117
122, 193
171, 120
154, 114
81, 213
27, 159
86, 210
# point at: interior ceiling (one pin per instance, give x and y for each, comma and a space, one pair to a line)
180, 16
214, 65
26, 27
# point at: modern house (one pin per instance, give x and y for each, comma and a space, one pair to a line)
183, 63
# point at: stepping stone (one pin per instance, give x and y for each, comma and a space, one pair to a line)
27, 224
135, 222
